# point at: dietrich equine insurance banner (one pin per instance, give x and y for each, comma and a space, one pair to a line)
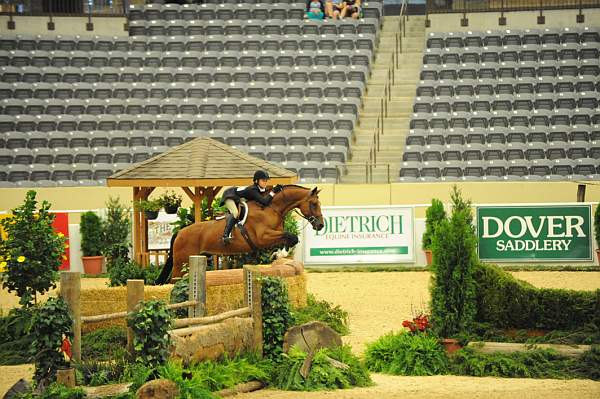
371, 234
514, 233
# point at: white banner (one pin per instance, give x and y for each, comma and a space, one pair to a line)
160, 231
370, 234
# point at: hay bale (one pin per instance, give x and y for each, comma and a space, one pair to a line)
224, 292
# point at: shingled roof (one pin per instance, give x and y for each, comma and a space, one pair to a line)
200, 162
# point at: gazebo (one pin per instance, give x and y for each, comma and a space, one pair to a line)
201, 167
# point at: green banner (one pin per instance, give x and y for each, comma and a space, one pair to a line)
359, 251
512, 233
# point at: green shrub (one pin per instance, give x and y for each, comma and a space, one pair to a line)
150, 324
120, 270
104, 344
180, 293
321, 310
14, 336
589, 364
228, 372
50, 324
55, 391
94, 372
323, 375
32, 251
529, 364
406, 354
453, 286
433, 216
191, 385
276, 313
505, 302
116, 231
92, 237
597, 225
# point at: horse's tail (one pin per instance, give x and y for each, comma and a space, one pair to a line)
165, 274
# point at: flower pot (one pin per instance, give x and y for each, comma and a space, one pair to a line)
428, 256
92, 264
451, 345
151, 215
171, 209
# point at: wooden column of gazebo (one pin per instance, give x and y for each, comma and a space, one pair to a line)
201, 168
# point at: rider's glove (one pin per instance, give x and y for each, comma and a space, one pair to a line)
277, 188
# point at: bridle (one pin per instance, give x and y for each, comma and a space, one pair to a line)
312, 219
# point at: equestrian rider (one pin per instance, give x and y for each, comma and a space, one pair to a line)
234, 195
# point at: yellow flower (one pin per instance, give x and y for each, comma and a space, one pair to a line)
66, 246
2, 267
21, 259
61, 235
64, 257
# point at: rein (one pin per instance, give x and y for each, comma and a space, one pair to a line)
310, 219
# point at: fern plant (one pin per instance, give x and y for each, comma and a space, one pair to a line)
406, 354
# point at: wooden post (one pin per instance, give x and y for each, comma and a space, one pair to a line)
66, 377
198, 194
197, 287
253, 299
581, 193
135, 294
140, 227
70, 290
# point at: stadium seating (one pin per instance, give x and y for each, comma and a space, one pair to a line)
75, 109
507, 105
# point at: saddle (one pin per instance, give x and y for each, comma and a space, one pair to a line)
243, 212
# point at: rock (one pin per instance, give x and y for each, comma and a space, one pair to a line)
20, 387
158, 389
311, 337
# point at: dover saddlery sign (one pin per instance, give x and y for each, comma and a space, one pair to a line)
512, 233
371, 234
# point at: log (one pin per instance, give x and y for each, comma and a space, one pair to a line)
120, 315
241, 388
211, 319
509, 347
103, 391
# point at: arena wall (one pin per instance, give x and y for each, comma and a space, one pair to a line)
482, 21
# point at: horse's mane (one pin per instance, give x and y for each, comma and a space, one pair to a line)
295, 185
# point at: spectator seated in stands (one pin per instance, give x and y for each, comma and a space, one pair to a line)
314, 9
352, 8
335, 9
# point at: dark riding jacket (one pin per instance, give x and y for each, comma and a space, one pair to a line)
250, 193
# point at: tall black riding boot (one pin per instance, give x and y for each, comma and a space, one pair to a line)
229, 223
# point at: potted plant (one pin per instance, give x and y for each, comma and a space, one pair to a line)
170, 201
597, 231
149, 207
91, 231
433, 216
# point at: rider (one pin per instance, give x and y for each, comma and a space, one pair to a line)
233, 195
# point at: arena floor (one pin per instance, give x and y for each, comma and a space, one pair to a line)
378, 303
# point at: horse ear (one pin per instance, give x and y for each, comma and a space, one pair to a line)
315, 191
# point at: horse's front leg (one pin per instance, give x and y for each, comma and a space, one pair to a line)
272, 238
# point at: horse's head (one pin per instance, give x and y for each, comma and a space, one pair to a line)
311, 209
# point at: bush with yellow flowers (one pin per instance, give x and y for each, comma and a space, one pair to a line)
32, 252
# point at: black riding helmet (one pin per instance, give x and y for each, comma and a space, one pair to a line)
260, 174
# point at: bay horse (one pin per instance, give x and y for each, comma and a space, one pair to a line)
264, 227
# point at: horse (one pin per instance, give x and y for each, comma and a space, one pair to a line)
264, 226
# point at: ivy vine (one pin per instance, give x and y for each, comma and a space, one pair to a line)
150, 324
276, 313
